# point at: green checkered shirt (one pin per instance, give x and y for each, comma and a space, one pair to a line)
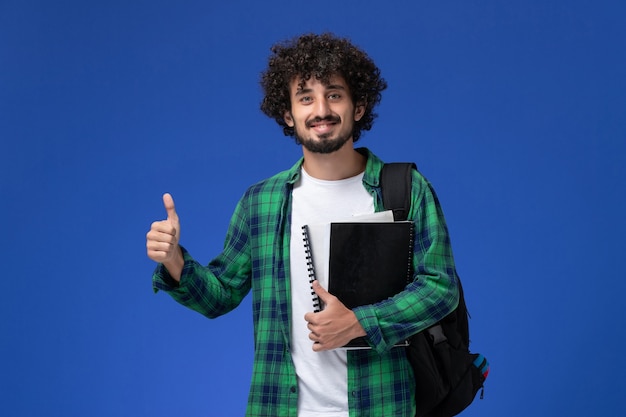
256, 256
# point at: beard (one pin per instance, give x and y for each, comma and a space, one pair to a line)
326, 143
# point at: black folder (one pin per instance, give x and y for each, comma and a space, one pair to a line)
368, 263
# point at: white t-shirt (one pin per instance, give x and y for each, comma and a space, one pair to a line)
322, 376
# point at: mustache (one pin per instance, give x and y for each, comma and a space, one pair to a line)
328, 119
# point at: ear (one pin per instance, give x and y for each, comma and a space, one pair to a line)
288, 118
359, 110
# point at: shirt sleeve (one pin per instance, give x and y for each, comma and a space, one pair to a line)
219, 287
433, 293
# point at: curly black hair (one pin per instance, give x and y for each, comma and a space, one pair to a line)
320, 56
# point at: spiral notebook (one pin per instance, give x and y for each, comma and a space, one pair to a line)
368, 262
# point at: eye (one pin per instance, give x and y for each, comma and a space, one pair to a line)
305, 99
334, 96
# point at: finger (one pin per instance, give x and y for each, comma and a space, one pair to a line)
159, 246
324, 295
168, 202
309, 317
156, 252
162, 226
157, 256
318, 347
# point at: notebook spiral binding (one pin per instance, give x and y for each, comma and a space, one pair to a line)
310, 267
409, 268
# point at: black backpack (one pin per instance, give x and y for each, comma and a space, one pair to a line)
447, 375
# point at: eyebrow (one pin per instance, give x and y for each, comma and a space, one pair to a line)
328, 87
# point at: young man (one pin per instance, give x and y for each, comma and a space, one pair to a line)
322, 90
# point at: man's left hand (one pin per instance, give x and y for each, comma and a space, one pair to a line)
334, 326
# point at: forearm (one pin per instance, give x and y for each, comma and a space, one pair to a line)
418, 307
433, 293
209, 290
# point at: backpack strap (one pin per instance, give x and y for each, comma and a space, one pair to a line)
395, 183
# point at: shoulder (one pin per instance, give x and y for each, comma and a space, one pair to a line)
275, 182
276, 185
419, 180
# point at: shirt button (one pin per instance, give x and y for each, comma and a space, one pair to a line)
354, 393
293, 389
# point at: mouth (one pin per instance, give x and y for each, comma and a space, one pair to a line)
322, 126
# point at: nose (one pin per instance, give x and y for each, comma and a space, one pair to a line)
322, 109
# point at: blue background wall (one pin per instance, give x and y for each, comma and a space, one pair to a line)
514, 110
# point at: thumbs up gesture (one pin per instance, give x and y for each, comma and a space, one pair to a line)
162, 240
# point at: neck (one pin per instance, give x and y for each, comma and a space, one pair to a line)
339, 165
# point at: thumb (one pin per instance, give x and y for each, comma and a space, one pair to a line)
168, 202
324, 295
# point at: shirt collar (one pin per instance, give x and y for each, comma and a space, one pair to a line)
372, 168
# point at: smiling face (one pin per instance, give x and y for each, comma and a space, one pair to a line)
322, 115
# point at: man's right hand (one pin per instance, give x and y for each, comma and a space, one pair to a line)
162, 240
